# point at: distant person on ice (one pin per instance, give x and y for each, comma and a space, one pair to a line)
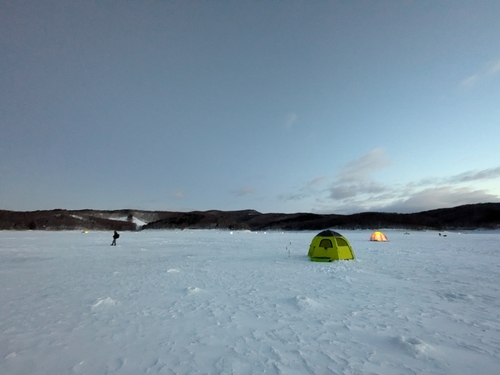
115, 236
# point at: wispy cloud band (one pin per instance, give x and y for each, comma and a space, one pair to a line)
488, 71
355, 189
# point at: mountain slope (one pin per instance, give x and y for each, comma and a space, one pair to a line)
482, 215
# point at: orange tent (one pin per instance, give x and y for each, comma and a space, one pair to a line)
378, 236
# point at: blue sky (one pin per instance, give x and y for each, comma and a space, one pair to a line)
279, 106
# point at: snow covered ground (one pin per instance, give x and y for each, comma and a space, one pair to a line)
220, 302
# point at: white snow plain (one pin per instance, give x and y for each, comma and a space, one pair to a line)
221, 302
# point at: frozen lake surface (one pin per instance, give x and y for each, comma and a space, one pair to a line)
220, 302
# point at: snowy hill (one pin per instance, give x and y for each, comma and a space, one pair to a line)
485, 215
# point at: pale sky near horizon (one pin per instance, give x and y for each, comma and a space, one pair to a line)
278, 106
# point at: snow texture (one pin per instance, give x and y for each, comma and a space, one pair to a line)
220, 302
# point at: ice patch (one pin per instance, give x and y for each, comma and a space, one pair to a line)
193, 289
173, 270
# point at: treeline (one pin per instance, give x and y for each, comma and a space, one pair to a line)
474, 216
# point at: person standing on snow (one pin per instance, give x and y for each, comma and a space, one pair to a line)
115, 236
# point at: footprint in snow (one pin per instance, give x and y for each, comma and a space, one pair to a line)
305, 303
413, 346
103, 303
454, 297
193, 290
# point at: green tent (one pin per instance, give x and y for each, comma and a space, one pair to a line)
328, 246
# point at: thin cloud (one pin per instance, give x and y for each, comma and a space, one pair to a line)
356, 189
417, 201
353, 183
291, 118
316, 181
309, 189
356, 179
440, 197
494, 68
426, 194
362, 168
178, 194
470, 81
344, 191
293, 197
489, 70
244, 191
470, 176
